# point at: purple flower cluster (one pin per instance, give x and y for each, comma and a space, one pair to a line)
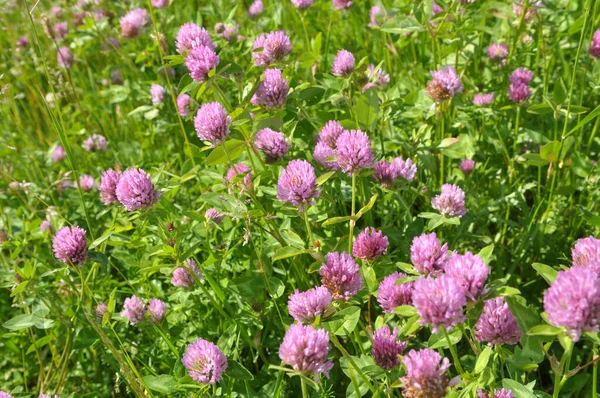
341, 275
58, 154
573, 301
214, 215
183, 278
86, 182
204, 361
343, 65
95, 142
390, 295
376, 15
236, 170
212, 123
306, 306
586, 254
200, 61
325, 148
376, 77
297, 184
450, 202
135, 190
502, 393
387, 347
341, 4
156, 310
467, 166
353, 151
439, 301
302, 3
133, 22
60, 30
497, 52
272, 90
428, 255
483, 99
64, 57
272, 143
101, 309
275, 46
256, 8
157, 92
369, 244
497, 324
444, 85
305, 349
69, 245
183, 104
191, 36
470, 271
133, 310
425, 374
108, 186
595, 45
388, 172
519, 90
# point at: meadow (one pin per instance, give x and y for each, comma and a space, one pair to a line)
299, 198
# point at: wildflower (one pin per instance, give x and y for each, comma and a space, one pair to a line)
191, 36
307, 306
272, 91
343, 65
470, 271
95, 142
275, 46
444, 85
302, 3
388, 172
183, 104
157, 92
330, 133
305, 349
239, 169
387, 347
183, 278
376, 15
60, 30
133, 309
586, 252
531, 12
521, 75
214, 215
86, 182
497, 52
502, 393
212, 123
64, 58
573, 301
5, 395
376, 77
69, 245
428, 255
451, 202
133, 22
483, 99
23, 41
256, 8
439, 301
156, 310
341, 275
595, 46
108, 186
200, 61
519, 90
160, 3
341, 4
204, 361
58, 154
353, 151
135, 190
45, 226
390, 295
297, 184
101, 309
369, 244
497, 324
272, 143
322, 153
425, 374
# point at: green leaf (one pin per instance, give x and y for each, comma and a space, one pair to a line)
288, 251
593, 114
368, 207
367, 109
532, 159
545, 271
439, 340
544, 330
519, 390
322, 179
486, 253
559, 95
405, 310
343, 322
540, 109
336, 220
483, 359
165, 384
238, 371
401, 24
19, 322
219, 156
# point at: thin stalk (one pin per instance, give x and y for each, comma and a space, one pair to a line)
454, 354
308, 229
304, 388
352, 222
595, 371
561, 379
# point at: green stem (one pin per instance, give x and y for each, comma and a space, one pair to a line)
308, 229
454, 354
352, 222
166, 339
346, 355
595, 371
561, 378
304, 388
514, 154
